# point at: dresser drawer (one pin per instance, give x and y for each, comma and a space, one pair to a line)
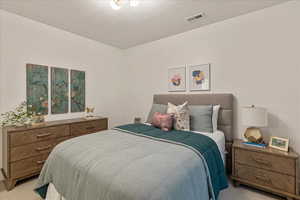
36, 135
30, 150
27, 166
88, 127
266, 161
266, 178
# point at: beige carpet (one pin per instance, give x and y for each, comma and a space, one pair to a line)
24, 191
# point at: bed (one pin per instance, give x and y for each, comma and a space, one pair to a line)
138, 161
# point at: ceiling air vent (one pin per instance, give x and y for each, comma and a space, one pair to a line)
196, 17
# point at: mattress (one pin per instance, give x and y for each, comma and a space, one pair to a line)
217, 136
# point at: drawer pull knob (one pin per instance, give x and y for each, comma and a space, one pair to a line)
40, 162
43, 135
262, 162
43, 148
90, 128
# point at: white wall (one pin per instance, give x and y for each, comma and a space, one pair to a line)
255, 57
26, 41
1, 81
1, 86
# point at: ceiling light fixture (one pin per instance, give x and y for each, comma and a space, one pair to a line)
117, 4
134, 3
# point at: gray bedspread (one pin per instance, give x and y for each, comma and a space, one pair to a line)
113, 165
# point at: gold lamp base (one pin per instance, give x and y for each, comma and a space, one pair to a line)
253, 135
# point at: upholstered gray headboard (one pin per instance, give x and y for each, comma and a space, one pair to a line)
225, 122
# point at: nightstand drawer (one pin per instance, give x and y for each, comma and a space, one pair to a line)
266, 178
266, 161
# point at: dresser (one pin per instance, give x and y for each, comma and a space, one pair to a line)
25, 149
267, 169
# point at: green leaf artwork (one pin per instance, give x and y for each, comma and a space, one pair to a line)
77, 91
37, 88
59, 90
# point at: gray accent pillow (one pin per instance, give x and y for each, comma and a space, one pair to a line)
201, 118
161, 108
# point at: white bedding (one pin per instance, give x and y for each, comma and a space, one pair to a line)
218, 136
52, 193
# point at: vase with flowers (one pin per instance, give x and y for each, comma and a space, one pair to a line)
17, 117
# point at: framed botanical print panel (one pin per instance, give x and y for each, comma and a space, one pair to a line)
77, 91
37, 88
199, 76
177, 79
59, 90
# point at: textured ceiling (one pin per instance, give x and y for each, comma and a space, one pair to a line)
128, 27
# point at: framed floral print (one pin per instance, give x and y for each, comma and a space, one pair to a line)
199, 76
177, 79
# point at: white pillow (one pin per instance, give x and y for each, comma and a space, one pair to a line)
215, 117
181, 115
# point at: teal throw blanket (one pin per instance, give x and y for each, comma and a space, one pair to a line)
201, 144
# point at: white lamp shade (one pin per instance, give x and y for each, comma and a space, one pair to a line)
254, 116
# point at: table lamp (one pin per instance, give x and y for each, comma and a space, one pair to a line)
254, 118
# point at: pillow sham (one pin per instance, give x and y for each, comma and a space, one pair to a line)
181, 116
161, 108
201, 118
215, 117
163, 121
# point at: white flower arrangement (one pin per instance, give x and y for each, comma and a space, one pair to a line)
18, 117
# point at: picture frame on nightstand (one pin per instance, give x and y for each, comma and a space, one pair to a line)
279, 143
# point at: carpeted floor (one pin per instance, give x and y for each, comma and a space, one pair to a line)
24, 191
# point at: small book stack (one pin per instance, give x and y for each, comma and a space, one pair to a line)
255, 144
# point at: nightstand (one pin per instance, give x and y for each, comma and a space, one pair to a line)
267, 169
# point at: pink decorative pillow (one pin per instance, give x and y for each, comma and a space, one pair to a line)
162, 121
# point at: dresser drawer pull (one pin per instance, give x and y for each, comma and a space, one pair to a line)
90, 128
43, 148
43, 135
40, 162
264, 179
262, 162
